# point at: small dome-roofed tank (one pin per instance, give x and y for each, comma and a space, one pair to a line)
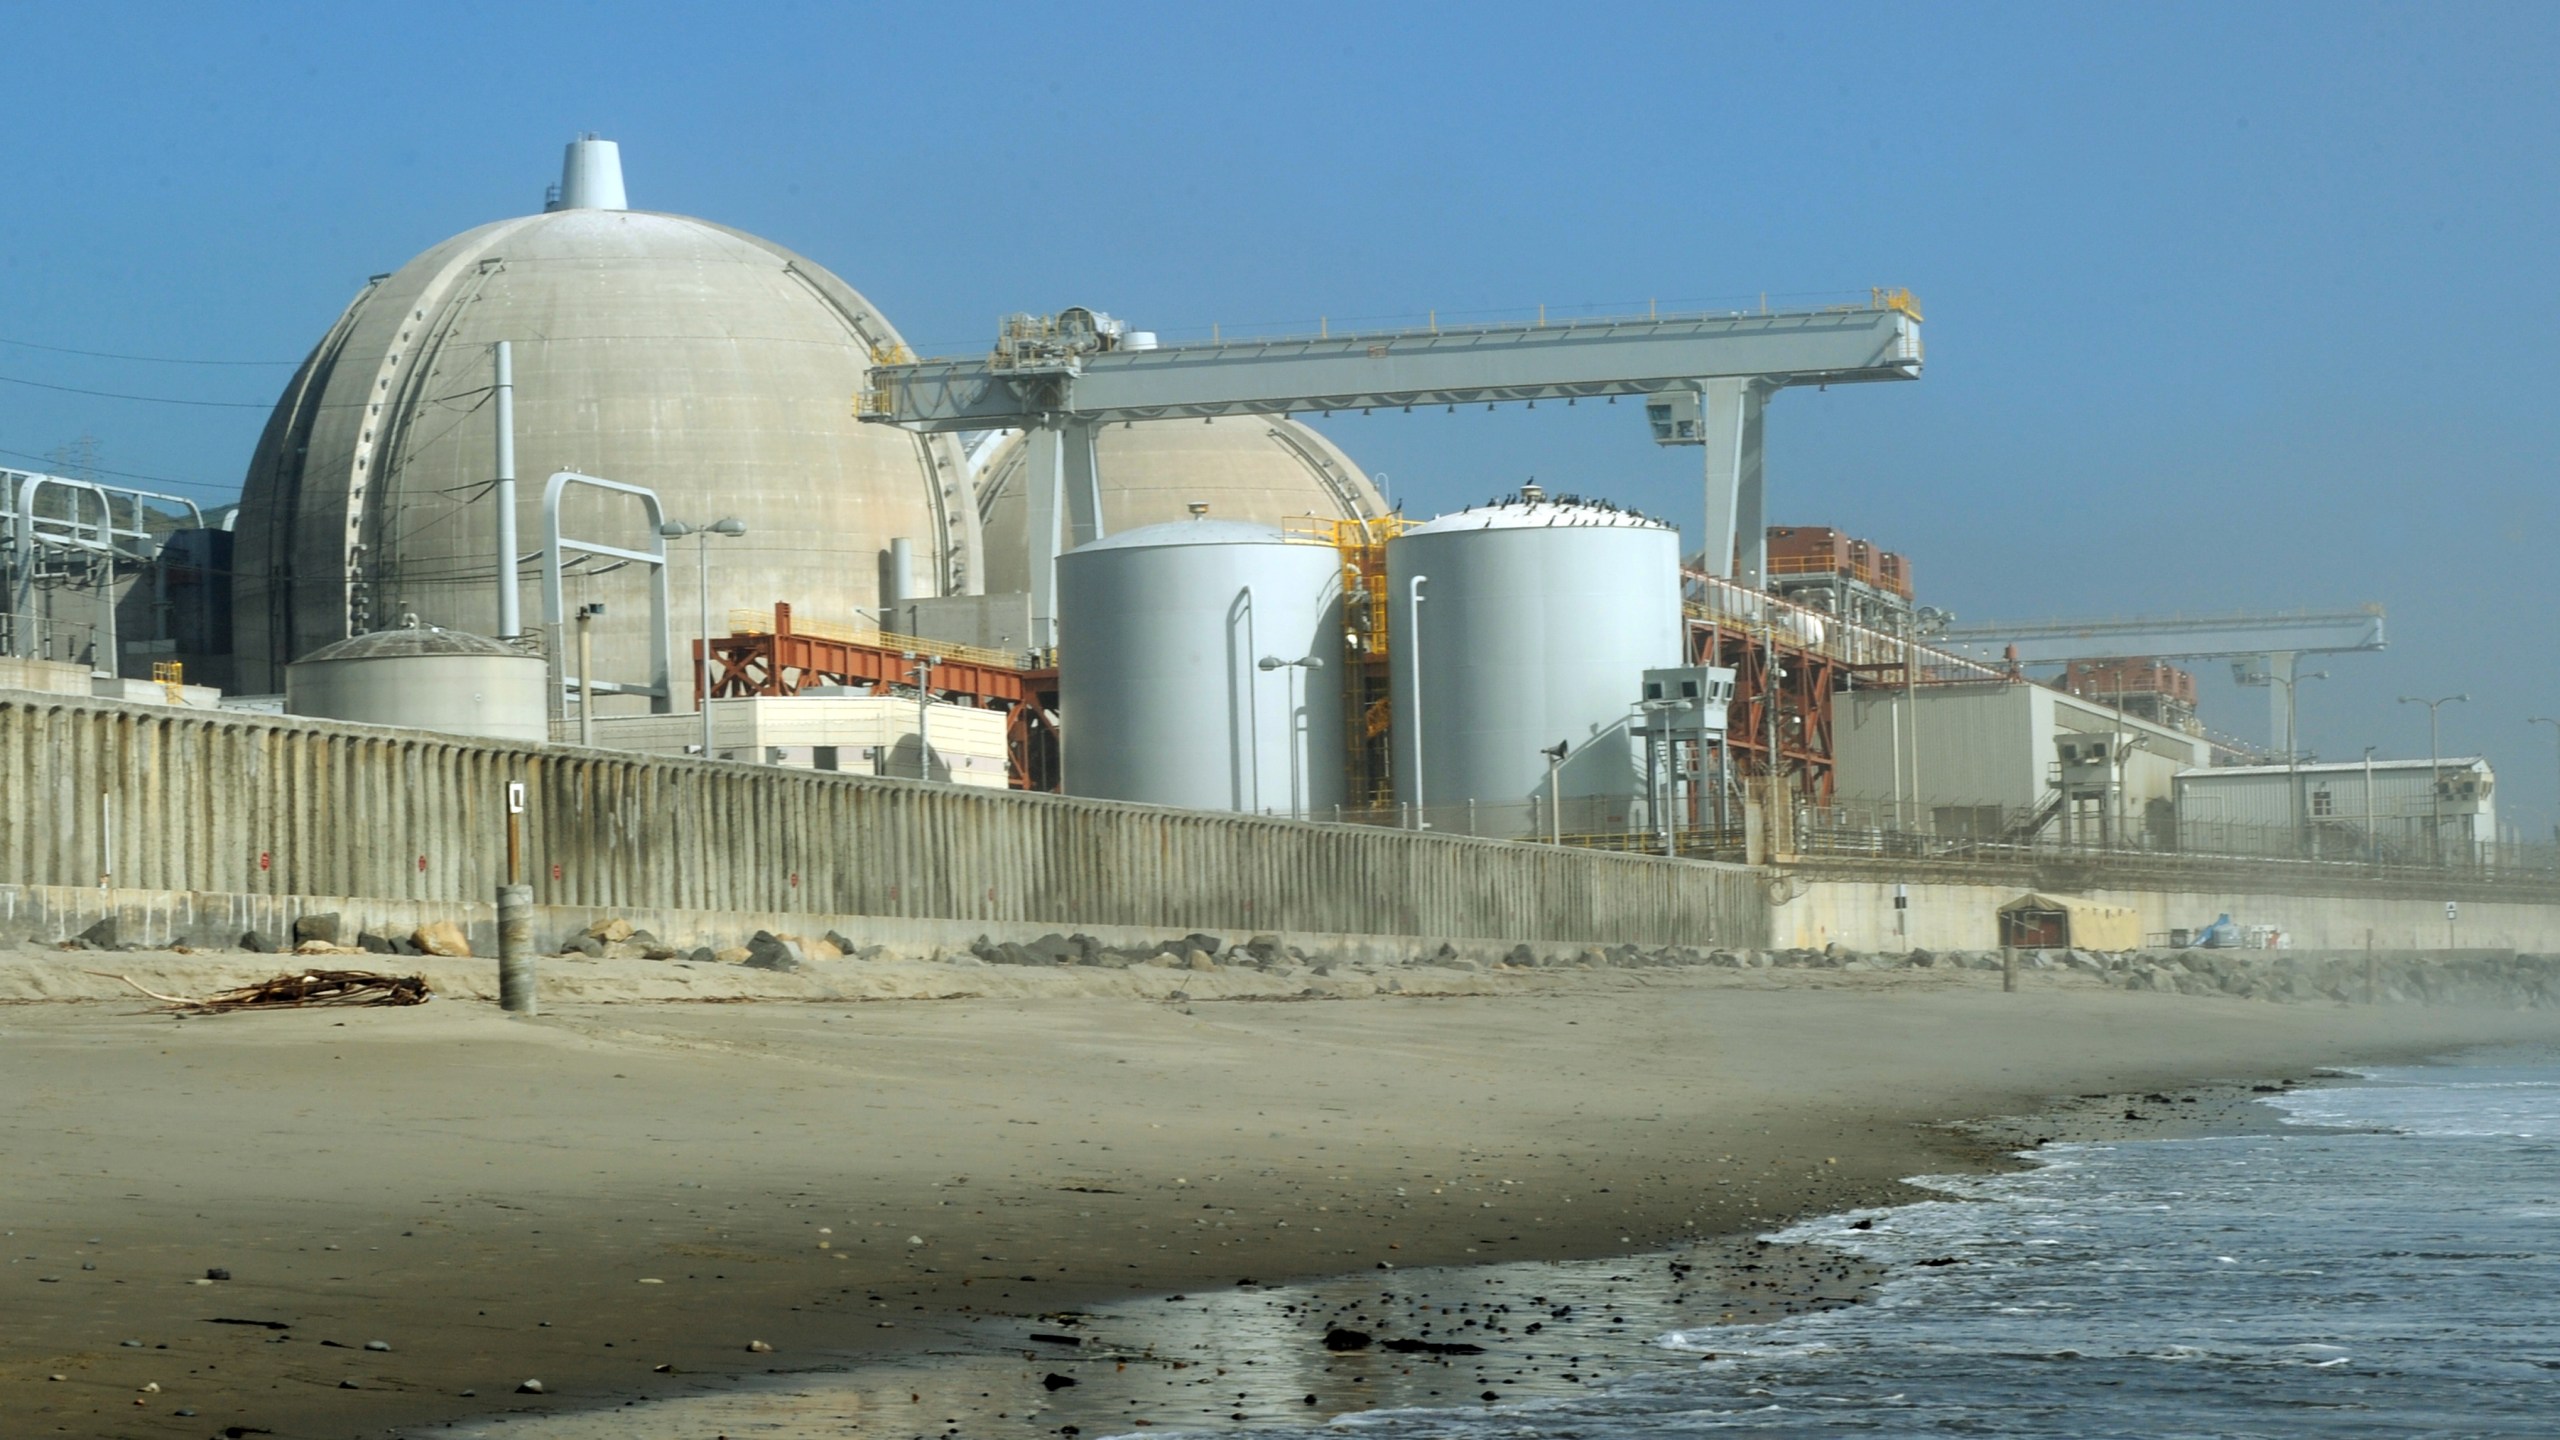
1537, 622
425, 679
1265, 468
1164, 697
713, 367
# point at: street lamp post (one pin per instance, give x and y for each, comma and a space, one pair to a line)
677, 530
2435, 777
924, 698
2372, 834
2293, 752
1413, 642
2555, 736
586, 671
1297, 792
1555, 797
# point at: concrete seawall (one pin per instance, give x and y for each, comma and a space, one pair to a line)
191, 823
1815, 910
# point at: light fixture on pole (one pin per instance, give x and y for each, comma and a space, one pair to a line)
1555, 800
677, 530
586, 670
2435, 778
2293, 752
1413, 642
2555, 735
920, 669
2372, 832
1297, 789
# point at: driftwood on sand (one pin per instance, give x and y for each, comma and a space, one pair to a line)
295, 990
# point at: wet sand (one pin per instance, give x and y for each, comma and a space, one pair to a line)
619, 1199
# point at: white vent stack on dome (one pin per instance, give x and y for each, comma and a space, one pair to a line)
591, 176
1200, 663
1513, 626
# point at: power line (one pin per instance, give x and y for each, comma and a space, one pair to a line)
146, 399
212, 485
137, 359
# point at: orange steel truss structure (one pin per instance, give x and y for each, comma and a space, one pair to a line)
785, 661
1802, 695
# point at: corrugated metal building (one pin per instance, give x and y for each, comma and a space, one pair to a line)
1985, 757
2341, 810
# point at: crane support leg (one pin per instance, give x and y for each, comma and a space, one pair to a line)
1065, 485
1736, 543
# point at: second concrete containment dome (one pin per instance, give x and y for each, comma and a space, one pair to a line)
1536, 621
1243, 467
1200, 665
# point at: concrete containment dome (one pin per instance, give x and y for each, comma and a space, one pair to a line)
713, 367
1164, 634
426, 679
1537, 620
1247, 467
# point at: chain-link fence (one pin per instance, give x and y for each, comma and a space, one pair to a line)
2393, 845
1984, 833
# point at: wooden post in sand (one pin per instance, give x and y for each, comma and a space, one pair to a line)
515, 917
2372, 991
2009, 968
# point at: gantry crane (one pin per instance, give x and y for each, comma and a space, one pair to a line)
1706, 380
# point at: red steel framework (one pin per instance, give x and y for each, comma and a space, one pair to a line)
1805, 683
785, 661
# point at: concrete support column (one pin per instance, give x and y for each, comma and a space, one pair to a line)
1062, 484
1736, 540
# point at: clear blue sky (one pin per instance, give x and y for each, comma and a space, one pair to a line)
2228, 306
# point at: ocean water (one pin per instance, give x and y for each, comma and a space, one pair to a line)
2389, 1265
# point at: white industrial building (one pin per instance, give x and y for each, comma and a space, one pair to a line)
2384, 810
2008, 759
859, 734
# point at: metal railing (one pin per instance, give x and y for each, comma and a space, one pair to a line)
1715, 600
2009, 834
1972, 836
760, 622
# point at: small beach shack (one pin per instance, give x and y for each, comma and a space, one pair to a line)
2036, 921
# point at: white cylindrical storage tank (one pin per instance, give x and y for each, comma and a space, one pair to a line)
1200, 664
426, 679
1537, 620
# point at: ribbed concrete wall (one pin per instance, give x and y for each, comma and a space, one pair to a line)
144, 798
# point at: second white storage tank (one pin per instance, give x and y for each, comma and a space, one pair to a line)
1537, 620
1200, 665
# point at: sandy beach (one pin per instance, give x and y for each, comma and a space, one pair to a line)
414, 1211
